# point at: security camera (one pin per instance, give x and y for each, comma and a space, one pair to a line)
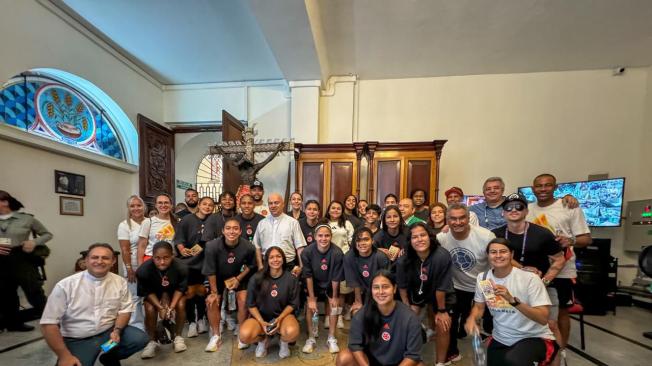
619, 70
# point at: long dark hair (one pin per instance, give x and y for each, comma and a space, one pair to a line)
354, 212
401, 223
411, 257
341, 222
262, 278
440, 205
372, 317
356, 233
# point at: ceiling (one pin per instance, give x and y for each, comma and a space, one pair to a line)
202, 41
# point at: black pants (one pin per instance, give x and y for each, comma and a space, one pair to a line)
527, 351
461, 311
18, 269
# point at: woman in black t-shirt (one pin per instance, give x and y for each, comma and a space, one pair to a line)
272, 299
296, 203
248, 218
310, 221
392, 238
385, 331
351, 211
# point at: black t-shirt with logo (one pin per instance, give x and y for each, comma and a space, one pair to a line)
274, 295
190, 232
399, 338
323, 268
540, 243
358, 270
423, 279
213, 227
225, 262
382, 239
307, 230
151, 280
248, 226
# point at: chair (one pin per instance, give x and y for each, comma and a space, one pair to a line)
578, 309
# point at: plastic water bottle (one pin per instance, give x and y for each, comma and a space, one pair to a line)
480, 354
315, 324
231, 300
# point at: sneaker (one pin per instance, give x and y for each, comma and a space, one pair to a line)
202, 326
242, 345
192, 330
179, 344
284, 350
261, 349
230, 323
332, 345
212, 345
340, 322
327, 322
309, 347
149, 351
453, 358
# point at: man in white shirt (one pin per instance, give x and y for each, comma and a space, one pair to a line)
456, 195
257, 192
89, 308
571, 230
467, 245
281, 230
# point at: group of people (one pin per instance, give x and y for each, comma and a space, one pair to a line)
402, 274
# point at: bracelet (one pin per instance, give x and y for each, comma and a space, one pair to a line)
128, 266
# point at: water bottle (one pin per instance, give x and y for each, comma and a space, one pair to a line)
271, 325
480, 354
315, 324
231, 300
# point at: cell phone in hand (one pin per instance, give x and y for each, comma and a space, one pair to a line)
108, 345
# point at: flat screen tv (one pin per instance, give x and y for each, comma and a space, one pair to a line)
473, 199
601, 200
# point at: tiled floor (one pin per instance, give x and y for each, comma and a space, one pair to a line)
609, 349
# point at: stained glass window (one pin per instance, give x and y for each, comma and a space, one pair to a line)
209, 176
47, 107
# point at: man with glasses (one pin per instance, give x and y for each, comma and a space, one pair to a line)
467, 245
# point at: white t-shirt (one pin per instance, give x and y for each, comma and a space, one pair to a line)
262, 210
569, 222
155, 230
510, 325
473, 219
469, 255
342, 236
133, 234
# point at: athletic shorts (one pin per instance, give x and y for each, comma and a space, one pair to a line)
564, 288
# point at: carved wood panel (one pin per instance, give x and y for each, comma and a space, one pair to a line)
156, 144
313, 181
341, 180
388, 177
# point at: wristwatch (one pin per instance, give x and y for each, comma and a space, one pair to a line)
546, 281
442, 310
516, 302
573, 240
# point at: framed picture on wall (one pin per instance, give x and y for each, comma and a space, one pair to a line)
71, 206
69, 183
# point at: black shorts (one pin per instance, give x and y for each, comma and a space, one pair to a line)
323, 294
564, 288
195, 277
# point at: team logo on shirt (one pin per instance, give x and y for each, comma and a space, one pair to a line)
264, 212
250, 230
365, 272
324, 266
385, 334
274, 292
424, 274
463, 259
164, 281
231, 258
309, 238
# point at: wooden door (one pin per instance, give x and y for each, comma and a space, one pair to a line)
231, 131
156, 145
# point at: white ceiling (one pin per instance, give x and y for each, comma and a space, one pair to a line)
200, 41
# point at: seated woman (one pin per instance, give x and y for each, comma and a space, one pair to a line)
519, 304
272, 299
425, 279
385, 332
360, 263
229, 262
322, 270
162, 280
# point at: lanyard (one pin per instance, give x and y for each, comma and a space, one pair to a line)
527, 225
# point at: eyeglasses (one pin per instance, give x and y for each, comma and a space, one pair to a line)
518, 206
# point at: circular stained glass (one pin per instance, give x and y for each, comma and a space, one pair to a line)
65, 113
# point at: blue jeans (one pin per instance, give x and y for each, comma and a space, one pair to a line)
87, 349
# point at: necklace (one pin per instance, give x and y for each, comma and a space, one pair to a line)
527, 225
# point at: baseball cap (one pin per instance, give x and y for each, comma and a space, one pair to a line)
256, 183
515, 197
457, 190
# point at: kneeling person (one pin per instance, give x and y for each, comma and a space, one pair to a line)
162, 280
229, 262
323, 272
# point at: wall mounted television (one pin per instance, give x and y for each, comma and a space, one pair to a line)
473, 199
601, 200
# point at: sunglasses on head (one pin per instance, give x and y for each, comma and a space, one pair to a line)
518, 206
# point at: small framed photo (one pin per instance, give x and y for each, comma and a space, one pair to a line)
71, 206
69, 183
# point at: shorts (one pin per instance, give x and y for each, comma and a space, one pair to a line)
564, 288
554, 299
323, 294
221, 287
344, 289
195, 277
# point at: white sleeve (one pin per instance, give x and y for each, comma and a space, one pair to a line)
144, 228
55, 307
297, 235
537, 293
126, 303
578, 222
123, 231
479, 296
349, 231
473, 219
256, 240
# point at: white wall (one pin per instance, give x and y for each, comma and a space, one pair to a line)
571, 124
189, 149
32, 36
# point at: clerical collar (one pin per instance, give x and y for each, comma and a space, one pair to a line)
91, 277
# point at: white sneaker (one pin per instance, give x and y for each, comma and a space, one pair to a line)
242, 345
327, 322
340, 322
261, 349
150, 350
284, 351
213, 343
202, 326
179, 344
230, 323
192, 330
332, 345
309, 347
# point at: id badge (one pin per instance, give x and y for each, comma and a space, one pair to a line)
5, 241
487, 290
